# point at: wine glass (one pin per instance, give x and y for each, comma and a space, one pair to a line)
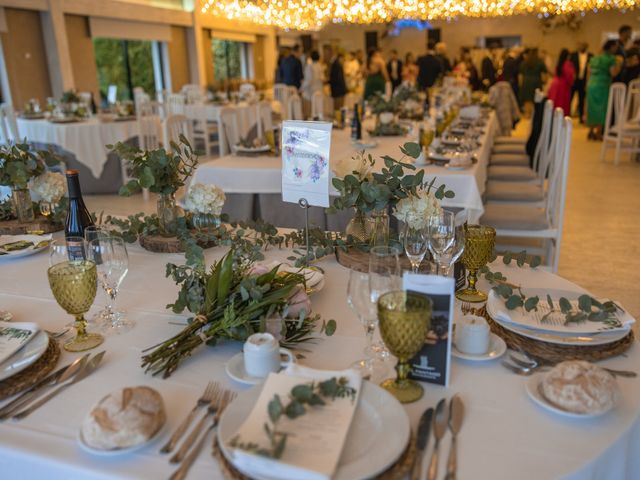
453, 253
112, 261
93, 231
441, 234
67, 249
359, 299
384, 276
478, 247
416, 244
74, 285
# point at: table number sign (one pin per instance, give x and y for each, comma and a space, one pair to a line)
432, 363
305, 162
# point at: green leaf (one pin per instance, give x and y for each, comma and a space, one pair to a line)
302, 393
411, 149
280, 446
513, 302
294, 409
316, 400
565, 305
521, 258
506, 258
550, 302
449, 194
146, 178
328, 388
584, 303
275, 409
531, 303
330, 328
535, 261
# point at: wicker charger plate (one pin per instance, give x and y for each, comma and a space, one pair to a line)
399, 470
551, 352
32, 374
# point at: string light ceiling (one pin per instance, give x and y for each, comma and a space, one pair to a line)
312, 15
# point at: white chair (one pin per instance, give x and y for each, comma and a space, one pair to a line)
247, 90
516, 223
280, 95
317, 106
8, 124
148, 139
174, 126
264, 121
112, 94
620, 129
142, 102
205, 129
294, 108
229, 132
192, 93
174, 104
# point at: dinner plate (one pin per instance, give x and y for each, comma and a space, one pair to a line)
25, 356
117, 451
533, 390
64, 119
40, 242
260, 149
377, 437
497, 347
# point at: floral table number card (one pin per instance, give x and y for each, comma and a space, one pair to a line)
305, 162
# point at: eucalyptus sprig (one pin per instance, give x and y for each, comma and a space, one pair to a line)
19, 162
301, 398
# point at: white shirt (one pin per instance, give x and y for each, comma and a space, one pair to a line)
313, 79
582, 63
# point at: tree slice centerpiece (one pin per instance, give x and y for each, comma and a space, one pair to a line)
39, 226
358, 260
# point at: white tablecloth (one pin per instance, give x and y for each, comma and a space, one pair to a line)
86, 139
504, 436
262, 174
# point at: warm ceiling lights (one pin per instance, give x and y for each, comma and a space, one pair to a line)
313, 14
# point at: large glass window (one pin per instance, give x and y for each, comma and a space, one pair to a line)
230, 59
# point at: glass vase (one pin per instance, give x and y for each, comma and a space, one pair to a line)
360, 227
380, 234
205, 222
167, 214
23, 205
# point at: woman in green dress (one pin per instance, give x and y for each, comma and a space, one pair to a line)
602, 68
533, 74
377, 76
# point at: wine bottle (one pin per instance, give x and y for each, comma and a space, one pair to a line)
356, 124
78, 218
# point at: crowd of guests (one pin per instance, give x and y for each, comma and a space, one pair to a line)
579, 74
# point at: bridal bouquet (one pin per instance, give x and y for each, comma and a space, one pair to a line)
233, 300
204, 199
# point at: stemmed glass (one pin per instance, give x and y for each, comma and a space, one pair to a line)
416, 244
110, 256
384, 276
441, 234
74, 285
359, 299
453, 253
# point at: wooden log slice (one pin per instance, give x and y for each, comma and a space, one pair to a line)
358, 260
39, 225
160, 244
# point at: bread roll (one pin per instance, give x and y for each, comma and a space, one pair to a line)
124, 419
580, 387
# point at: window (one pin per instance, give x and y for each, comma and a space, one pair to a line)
230, 59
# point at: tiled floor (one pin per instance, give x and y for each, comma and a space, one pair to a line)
601, 245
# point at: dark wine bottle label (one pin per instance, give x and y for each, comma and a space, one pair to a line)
76, 251
459, 275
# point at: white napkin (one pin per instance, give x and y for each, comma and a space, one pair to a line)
316, 438
15, 335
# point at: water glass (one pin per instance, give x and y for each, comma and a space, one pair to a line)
359, 299
416, 244
441, 234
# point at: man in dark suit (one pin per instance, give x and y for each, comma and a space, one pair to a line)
624, 35
441, 54
337, 83
488, 68
429, 67
394, 69
511, 69
291, 68
580, 60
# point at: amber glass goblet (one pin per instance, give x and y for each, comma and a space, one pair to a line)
478, 247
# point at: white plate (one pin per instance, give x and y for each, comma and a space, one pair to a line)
27, 251
364, 144
235, 369
27, 355
260, 149
452, 167
532, 387
497, 347
117, 451
377, 437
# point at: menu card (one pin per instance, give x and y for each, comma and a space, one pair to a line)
315, 439
13, 336
432, 363
305, 162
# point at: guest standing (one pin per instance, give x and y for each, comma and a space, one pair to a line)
352, 73
337, 83
394, 70
632, 67
533, 72
466, 69
602, 69
429, 67
511, 69
560, 88
624, 35
291, 68
580, 59
489, 68
312, 83
377, 77
410, 70
441, 54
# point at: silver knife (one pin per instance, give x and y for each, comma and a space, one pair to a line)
71, 378
456, 415
424, 429
439, 429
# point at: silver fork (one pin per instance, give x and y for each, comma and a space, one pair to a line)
205, 399
188, 442
181, 472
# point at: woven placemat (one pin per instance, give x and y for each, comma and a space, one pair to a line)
32, 374
547, 352
397, 471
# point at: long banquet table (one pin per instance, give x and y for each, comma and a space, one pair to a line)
504, 435
245, 178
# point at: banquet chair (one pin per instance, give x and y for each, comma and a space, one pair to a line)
264, 122
205, 130
174, 104
148, 139
537, 229
619, 128
294, 108
317, 106
229, 131
8, 125
280, 95
192, 93
173, 127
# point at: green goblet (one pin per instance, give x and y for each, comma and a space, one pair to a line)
74, 285
478, 247
404, 319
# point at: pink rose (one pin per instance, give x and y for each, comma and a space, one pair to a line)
259, 269
298, 301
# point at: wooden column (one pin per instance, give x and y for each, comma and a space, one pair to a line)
57, 48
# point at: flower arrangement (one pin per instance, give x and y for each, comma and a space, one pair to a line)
203, 198
48, 187
360, 165
19, 164
416, 209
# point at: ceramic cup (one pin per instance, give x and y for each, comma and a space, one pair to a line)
262, 355
472, 335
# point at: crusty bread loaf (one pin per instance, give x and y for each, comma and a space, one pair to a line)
580, 387
124, 419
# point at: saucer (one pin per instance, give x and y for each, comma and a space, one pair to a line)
497, 347
235, 369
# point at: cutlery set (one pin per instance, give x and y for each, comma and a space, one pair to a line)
215, 399
50, 386
438, 420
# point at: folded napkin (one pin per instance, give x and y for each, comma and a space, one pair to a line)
316, 439
556, 321
15, 335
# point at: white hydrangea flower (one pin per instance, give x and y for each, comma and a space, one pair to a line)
416, 210
204, 199
48, 187
358, 163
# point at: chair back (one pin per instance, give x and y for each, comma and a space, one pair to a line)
615, 107
112, 94
175, 104
201, 126
264, 121
8, 124
281, 93
174, 126
632, 104
149, 132
317, 106
229, 131
192, 93
294, 108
